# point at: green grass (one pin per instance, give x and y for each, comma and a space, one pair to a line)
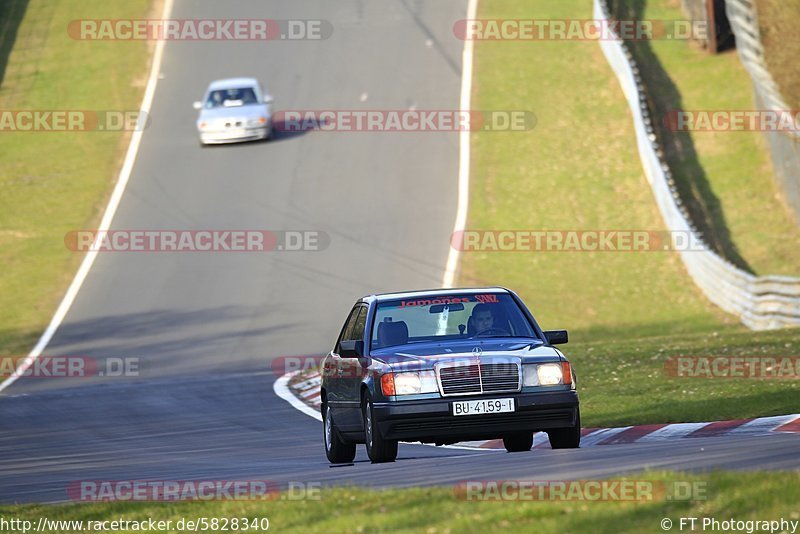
624, 382
726, 178
578, 169
777, 21
54, 182
742, 496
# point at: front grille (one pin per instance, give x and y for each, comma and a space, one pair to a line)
474, 377
500, 377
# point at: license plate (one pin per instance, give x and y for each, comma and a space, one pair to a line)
483, 407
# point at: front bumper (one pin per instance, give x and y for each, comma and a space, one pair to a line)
234, 135
431, 421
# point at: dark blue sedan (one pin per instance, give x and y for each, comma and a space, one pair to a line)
445, 366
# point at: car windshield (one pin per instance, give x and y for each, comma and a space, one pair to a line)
449, 317
234, 97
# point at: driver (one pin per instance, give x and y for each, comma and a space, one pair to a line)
482, 318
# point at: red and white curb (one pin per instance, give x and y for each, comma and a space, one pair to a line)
305, 397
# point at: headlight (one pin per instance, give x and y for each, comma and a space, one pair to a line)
409, 383
549, 374
546, 374
529, 376
257, 122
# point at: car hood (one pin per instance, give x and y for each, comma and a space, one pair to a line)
249, 112
413, 357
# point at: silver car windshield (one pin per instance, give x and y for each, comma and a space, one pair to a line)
229, 98
450, 317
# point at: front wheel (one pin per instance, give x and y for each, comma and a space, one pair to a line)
379, 449
567, 438
337, 450
518, 442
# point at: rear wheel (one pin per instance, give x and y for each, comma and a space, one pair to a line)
337, 450
518, 442
567, 438
379, 449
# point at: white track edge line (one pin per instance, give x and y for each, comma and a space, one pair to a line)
108, 216
463, 154
281, 389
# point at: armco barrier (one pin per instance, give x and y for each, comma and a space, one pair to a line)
761, 302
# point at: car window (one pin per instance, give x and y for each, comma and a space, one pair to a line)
455, 316
347, 331
233, 97
360, 325
351, 321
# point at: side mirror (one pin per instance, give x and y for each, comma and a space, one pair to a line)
556, 337
198, 105
268, 99
351, 349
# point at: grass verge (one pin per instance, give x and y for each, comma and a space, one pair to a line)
722, 496
777, 20
577, 170
625, 381
725, 178
54, 182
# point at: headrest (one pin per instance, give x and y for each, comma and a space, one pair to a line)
390, 334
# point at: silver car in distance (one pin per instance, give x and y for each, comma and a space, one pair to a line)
234, 110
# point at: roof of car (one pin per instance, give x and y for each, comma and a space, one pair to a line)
228, 83
380, 297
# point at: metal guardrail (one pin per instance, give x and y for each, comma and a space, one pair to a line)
784, 146
761, 302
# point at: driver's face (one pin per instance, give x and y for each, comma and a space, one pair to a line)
483, 321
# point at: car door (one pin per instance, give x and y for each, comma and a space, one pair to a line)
336, 370
352, 374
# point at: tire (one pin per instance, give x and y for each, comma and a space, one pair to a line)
379, 450
567, 438
337, 450
518, 442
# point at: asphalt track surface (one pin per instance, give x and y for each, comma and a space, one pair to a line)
205, 326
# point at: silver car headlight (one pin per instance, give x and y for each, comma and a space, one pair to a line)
545, 374
411, 383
